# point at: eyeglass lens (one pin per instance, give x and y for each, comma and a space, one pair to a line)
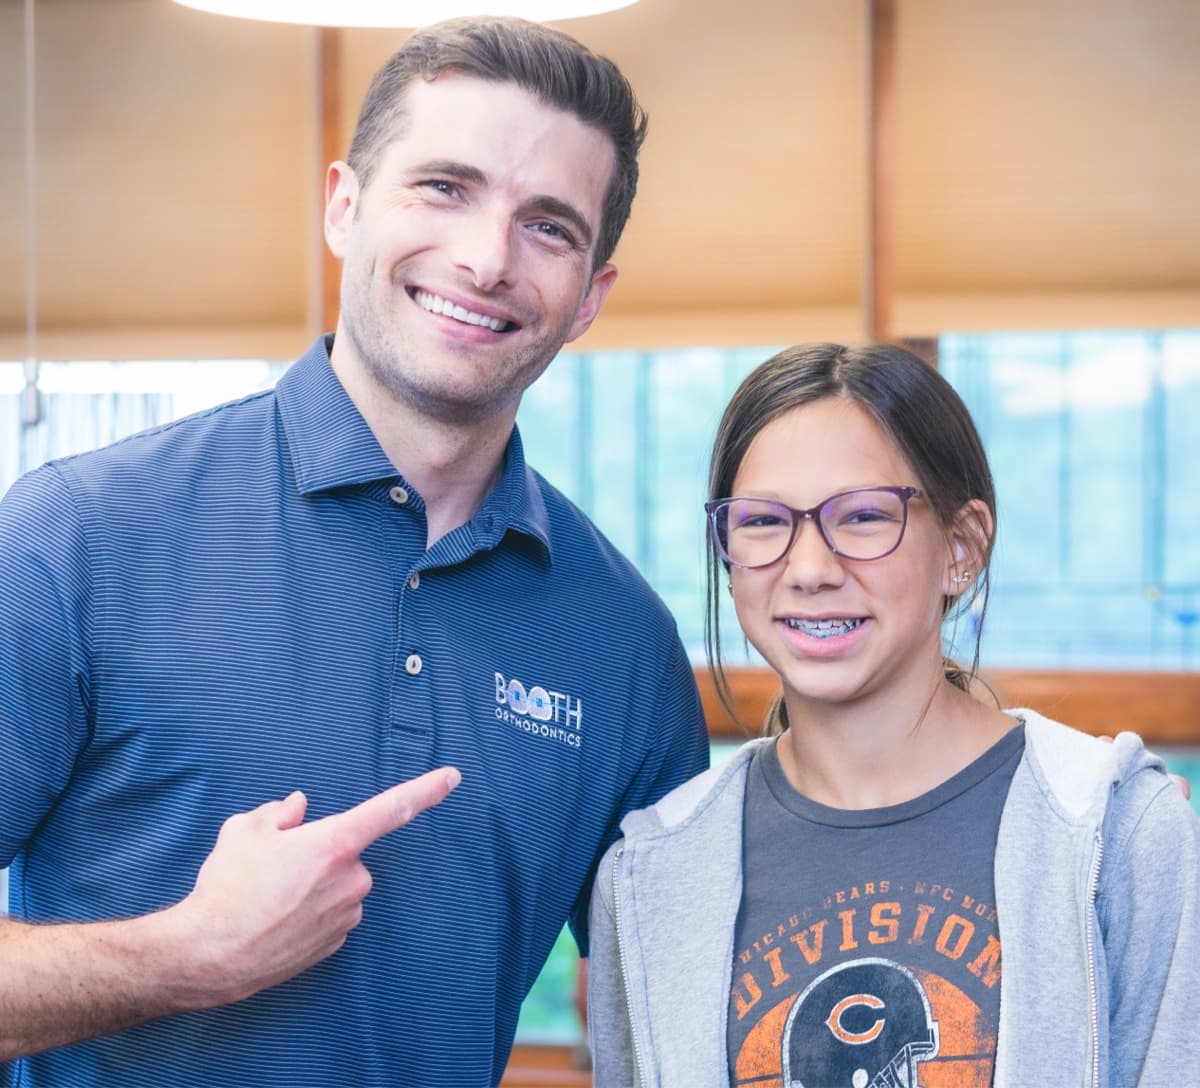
863, 524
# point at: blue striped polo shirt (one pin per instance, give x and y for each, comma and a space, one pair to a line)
214, 613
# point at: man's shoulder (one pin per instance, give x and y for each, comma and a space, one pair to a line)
193, 444
594, 568
151, 482
578, 541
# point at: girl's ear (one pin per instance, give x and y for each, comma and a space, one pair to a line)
970, 536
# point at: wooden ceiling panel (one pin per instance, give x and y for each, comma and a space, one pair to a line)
752, 190
1048, 146
172, 166
1045, 151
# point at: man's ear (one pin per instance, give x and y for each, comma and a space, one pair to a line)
341, 205
602, 281
970, 537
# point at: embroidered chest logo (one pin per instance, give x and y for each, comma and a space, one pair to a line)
537, 710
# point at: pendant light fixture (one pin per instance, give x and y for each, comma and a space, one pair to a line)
399, 13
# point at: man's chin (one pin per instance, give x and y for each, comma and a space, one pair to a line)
457, 406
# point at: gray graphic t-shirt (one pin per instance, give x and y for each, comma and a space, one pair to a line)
867, 953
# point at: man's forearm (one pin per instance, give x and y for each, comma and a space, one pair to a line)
273, 897
60, 984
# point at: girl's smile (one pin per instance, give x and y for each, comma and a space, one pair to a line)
825, 637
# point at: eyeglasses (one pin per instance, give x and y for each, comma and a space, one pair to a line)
867, 523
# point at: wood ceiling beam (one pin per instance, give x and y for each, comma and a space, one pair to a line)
879, 286
330, 148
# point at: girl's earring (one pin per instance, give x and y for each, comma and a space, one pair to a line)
960, 578
729, 586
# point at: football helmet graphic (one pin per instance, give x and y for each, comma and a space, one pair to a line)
863, 1024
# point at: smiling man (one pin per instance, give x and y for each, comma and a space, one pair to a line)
317, 709
468, 262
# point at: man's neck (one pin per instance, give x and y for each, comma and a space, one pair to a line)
454, 466
454, 469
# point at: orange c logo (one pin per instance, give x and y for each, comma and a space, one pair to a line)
855, 1038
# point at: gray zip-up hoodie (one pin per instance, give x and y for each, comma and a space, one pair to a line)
1098, 901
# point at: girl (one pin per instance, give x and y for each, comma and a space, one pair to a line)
829, 907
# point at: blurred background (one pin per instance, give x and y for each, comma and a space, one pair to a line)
1009, 189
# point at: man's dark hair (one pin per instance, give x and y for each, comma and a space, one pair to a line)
548, 64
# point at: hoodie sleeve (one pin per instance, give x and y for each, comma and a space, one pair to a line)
610, 1033
672, 742
1149, 912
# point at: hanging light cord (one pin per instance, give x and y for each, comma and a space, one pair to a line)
31, 404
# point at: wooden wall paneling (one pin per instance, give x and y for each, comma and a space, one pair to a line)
753, 691
1163, 707
538, 1066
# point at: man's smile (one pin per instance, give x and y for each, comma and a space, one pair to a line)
435, 304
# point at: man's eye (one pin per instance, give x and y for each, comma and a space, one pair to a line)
552, 230
440, 185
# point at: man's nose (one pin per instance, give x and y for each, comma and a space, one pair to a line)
486, 250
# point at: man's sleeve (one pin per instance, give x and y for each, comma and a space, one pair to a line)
45, 616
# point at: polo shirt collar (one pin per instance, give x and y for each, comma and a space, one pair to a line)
517, 501
331, 446
330, 443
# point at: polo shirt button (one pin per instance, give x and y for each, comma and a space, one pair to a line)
398, 495
414, 581
413, 665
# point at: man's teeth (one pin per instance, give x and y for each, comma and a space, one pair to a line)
823, 628
435, 304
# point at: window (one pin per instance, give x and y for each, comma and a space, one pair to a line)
1095, 448
89, 404
627, 435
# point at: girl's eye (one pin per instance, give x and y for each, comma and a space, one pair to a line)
760, 521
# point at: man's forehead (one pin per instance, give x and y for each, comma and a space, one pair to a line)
474, 95
499, 125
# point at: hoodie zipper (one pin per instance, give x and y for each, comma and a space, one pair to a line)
633, 1030
1093, 894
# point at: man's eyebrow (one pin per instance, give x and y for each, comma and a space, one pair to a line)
448, 168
